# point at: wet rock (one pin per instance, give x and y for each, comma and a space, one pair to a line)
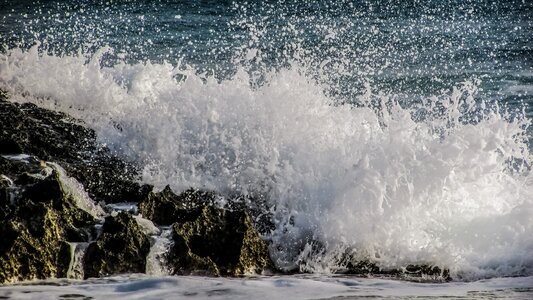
54, 136
37, 218
422, 272
426, 271
39, 215
121, 248
109, 179
164, 208
48, 135
211, 235
218, 242
27, 251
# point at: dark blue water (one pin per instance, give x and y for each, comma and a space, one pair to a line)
404, 48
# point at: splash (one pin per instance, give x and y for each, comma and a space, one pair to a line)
444, 181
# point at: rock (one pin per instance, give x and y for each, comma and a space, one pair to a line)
366, 266
121, 248
54, 136
208, 239
9, 146
38, 216
165, 207
29, 250
48, 135
109, 179
218, 242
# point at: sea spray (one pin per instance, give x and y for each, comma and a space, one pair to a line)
445, 182
156, 261
75, 269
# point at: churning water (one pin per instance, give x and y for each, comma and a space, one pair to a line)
397, 131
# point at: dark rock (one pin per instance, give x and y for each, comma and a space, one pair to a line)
208, 239
37, 220
109, 179
165, 207
39, 217
121, 248
14, 169
54, 136
218, 242
26, 256
423, 272
259, 210
9, 146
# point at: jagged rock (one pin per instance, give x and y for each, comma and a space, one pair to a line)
218, 242
122, 247
38, 216
208, 238
165, 207
54, 136
109, 179
48, 135
30, 251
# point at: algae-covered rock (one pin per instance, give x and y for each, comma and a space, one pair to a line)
121, 248
29, 251
38, 215
218, 242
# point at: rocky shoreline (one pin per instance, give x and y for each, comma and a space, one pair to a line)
63, 212
56, 182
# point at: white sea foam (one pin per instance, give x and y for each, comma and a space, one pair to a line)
275, 287
451, 189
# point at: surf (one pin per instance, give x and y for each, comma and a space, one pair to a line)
444, 181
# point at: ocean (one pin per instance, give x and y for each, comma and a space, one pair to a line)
397, 131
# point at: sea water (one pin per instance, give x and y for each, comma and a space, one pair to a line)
396, 131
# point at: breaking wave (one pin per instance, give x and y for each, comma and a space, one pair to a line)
444, 180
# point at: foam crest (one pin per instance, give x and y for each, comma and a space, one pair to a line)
444, 182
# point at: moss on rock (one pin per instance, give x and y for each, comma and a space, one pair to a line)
35, 226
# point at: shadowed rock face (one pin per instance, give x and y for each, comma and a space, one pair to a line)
208, 239
38, 217
218, 242
53, 136
165, 207
121, 248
